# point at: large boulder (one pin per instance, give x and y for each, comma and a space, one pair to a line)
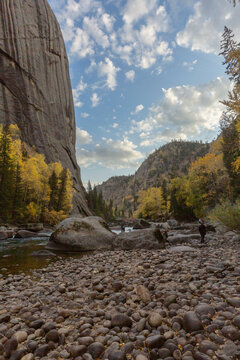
140, 239
141, 224
81, 234
182, 238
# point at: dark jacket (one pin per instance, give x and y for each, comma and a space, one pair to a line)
202, 229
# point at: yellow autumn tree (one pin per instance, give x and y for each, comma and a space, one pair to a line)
27, 188
151, 203
207, 183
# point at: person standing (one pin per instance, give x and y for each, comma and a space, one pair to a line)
202, 230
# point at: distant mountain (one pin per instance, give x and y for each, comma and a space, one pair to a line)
170, 160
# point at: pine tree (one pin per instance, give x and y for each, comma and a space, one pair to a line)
6, 174
230, 122
17, 203
53, 183
62, 190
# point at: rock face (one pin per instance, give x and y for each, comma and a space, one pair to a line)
77, 234
35, 88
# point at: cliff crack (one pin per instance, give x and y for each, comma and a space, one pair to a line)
70, 157
2, 52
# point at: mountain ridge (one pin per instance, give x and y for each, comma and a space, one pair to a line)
160, 166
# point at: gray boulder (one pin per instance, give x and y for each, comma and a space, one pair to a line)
172, 222
140, 239
182, 238
81, 234
141, 224
3, 235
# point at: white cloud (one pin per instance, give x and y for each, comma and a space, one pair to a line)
112, 154
81, 87
130, 75
205, 26
115, 125
186, 112
84, 115
82, 45
136, 9
78, 103
95, 100
138, 109
82, 137
92, 27
190, 65
108, 70
91, 31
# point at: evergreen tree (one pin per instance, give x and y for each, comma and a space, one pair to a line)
17, 203
6, 174
53, 183
230, 122
62, 190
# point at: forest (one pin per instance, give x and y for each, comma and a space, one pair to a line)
30, 189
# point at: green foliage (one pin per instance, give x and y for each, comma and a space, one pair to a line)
228, 214
97, 205
30, 189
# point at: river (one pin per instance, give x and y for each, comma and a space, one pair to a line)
16, 255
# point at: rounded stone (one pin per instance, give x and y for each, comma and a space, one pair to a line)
17, 355
116, 355
231, 332
96, 349
42, 351
191, 322
121, 320
155, 341
155, 319
21, 336
52, 335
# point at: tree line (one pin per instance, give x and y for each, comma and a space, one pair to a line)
30, 189
211, 186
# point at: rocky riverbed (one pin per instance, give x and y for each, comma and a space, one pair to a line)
177, 303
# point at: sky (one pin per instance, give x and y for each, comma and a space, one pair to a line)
143, 72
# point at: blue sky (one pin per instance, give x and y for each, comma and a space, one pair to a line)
143, 72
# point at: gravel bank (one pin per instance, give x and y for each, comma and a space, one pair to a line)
159, 304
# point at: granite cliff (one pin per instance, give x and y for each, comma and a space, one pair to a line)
35, 87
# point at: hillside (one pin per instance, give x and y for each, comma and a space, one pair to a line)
170, 160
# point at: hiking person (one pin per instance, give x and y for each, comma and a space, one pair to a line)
202, 230
122, 228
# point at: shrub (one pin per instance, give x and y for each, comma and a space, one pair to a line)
228, 214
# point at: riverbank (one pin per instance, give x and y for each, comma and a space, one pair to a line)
177, 303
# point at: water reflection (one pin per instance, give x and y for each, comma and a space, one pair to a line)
15, 255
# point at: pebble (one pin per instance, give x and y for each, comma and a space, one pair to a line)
141, 304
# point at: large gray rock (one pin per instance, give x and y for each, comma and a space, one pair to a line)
182, 238
81, 234
35, 88
140, 239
